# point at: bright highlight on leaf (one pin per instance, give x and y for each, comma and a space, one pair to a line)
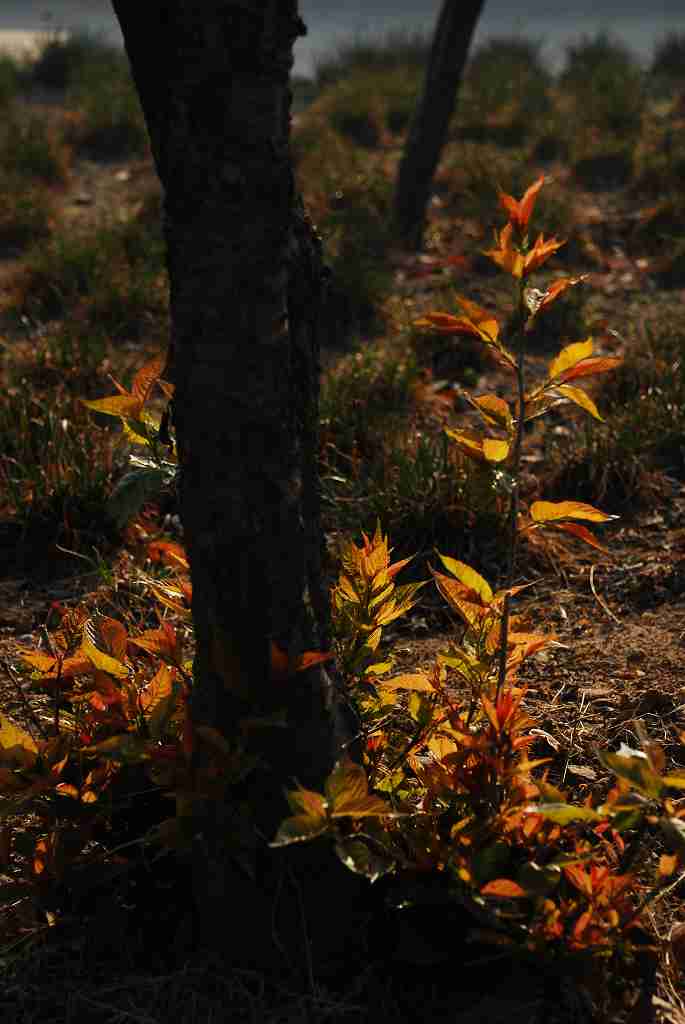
548, 511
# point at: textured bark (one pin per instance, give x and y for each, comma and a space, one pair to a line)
449, 51
246, 272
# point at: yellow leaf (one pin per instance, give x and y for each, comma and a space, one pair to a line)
495, 411
16, 746
470, 446
116, 405
468, 576
547, 511
101, 660
495, 451
581, 398
569, 356
408, 681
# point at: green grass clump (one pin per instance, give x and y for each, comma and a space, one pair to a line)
111, 277
619, 462
56, 467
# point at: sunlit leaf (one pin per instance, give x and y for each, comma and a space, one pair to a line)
495, 411
580, 398
548, 511
16, 745
589, 367
162, 641
582, 533
468, 576
470, 446
676, 780
90, 646
146, 377
569, 356
408, 681
116, 405
494, 450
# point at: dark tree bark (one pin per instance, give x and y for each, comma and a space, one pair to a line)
246, 275
428, 130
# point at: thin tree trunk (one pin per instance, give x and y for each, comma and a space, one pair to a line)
449, 51
245, 270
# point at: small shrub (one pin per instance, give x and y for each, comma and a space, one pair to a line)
505, 92
63, 55
111, 123
668, 62
606, 86
114, 275
9, 80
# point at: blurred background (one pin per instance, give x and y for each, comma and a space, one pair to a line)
24, 22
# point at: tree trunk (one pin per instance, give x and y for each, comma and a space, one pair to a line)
449, 51
246, 274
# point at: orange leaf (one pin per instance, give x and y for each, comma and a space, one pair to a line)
506, 255
540, 253
582, 533
503, 889
520, 211
168, 552
588, 367
146, 377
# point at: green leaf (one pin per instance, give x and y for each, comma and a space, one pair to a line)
633, 766
563, 814
358, 856
133, 490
